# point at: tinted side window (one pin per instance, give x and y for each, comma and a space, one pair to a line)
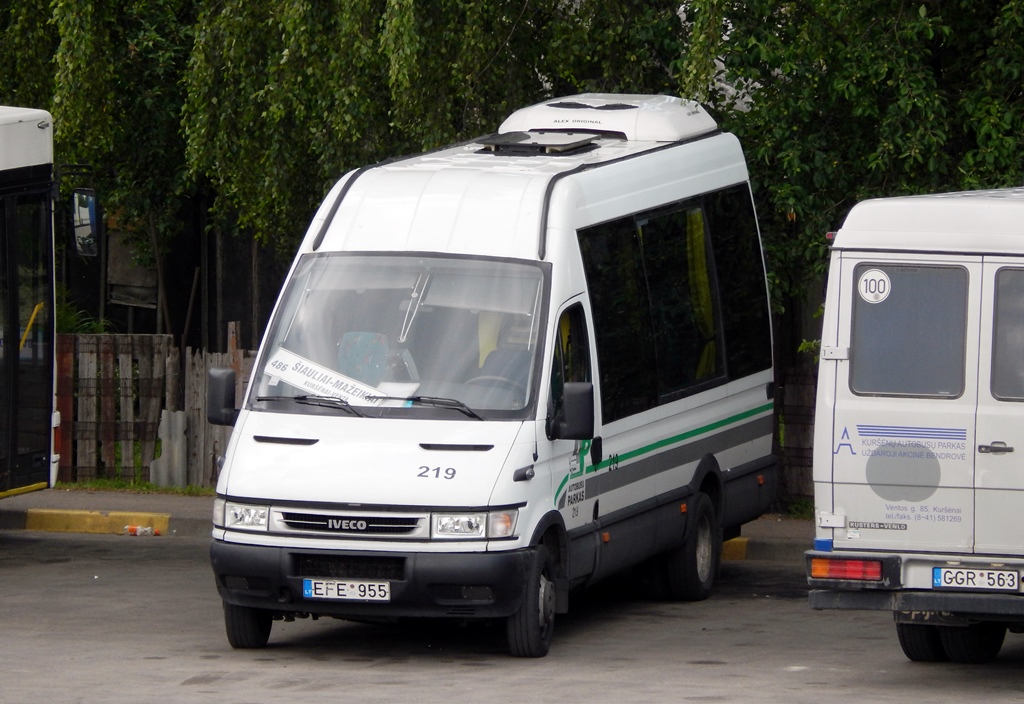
743, 289
909, 330
622, 317
679, 300
683, 302
1008, 336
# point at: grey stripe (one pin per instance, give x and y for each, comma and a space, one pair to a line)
674, 457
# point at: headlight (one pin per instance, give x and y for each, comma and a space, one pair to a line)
243, 516
456, 526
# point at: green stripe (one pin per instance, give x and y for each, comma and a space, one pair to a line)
561, 488
688, 435
681, 437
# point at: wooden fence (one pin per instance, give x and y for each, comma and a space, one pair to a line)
113, 390
207, 443
110, 392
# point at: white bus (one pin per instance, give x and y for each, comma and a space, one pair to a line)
502, 371
27, 414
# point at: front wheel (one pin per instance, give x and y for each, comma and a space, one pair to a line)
247, 627
532, 626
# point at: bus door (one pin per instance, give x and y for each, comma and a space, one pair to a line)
26, 329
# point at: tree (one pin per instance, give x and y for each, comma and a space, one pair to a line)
285, 96
841, 100
27, 45
117, 106
265, 105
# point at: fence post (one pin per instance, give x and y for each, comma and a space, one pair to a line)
85, 425
66, 405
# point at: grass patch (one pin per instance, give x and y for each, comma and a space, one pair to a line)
800, 507
133, 487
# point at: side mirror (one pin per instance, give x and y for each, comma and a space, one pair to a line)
85, 222
220, 397
576, 420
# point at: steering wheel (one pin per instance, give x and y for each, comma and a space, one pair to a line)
500, 381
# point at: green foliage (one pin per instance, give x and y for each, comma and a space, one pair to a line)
117, 106
27, 45
71, 319
625, 46
800, 507
264, 105
837, 101
284, 96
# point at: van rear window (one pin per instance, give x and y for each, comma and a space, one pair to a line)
909, 330
1008, 336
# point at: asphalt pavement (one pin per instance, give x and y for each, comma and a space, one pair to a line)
770, 537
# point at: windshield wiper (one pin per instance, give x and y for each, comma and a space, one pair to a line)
310, 400
435, 401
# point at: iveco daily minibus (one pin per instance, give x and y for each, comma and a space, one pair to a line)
502, 371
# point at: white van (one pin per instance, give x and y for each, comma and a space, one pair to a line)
920, 408
504, 370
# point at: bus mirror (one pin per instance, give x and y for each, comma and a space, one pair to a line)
576, 420
220, 397
84, 222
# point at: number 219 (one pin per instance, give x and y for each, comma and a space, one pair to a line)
436, 473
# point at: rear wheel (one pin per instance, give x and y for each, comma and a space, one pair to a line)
247, 627
531, 628
976, 643
920, 642
693, 566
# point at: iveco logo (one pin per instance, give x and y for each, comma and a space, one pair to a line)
345, 524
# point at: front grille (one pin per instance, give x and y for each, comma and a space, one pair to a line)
349, 567
352, 524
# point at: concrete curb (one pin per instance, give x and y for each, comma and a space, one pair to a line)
102, 522
94, 521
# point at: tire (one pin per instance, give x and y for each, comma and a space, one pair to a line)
920, 642
531, 628
247, 627
973, 644
692, 568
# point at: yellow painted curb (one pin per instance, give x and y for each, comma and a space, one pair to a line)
93, 521
735, 549
24, 489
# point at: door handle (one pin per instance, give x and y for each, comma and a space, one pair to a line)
997, 448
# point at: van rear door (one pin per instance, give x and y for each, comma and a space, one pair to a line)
903, 429
999, 499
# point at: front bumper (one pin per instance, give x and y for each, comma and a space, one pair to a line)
437, 585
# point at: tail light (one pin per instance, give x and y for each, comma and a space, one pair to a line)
861, 570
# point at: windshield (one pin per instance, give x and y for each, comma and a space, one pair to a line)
376, 334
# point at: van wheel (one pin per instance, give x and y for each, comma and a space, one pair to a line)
973, 644
920, 642
247, 627
692, 568
531, 627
